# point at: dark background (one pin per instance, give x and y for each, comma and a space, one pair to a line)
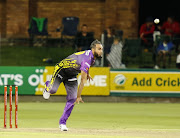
158, 9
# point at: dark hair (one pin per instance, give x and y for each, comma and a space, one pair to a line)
116, 38
172, 17
94, 43
112, 30
84, 25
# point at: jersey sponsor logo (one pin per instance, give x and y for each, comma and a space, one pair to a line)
85, 69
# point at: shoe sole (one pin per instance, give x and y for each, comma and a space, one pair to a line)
64, 130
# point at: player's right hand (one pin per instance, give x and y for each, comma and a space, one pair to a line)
89, 77
79, 99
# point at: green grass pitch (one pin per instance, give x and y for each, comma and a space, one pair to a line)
129, 120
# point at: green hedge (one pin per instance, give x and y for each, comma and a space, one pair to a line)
32, 56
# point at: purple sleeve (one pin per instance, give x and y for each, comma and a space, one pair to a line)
85, 66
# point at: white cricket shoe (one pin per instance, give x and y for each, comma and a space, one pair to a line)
63, 127
46, 94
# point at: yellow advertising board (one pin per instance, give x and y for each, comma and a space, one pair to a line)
145, 81
99, 85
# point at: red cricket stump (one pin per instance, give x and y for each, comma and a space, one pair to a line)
10, 106
5, 106
16, 106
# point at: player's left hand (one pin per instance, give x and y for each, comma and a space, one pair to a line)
89, 77
79, 99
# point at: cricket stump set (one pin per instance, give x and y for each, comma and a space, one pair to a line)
10, 105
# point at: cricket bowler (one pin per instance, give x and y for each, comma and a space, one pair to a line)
66, 71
